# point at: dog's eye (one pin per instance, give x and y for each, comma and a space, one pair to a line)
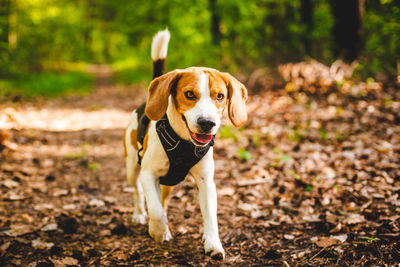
220, 97
190, 95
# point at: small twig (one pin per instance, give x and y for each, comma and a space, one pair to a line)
319, 252
251, 182
102, 257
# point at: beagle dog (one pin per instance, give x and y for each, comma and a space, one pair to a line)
181, 117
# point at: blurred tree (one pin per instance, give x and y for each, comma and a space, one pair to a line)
215, 22
306, 14
233, 35
5, 7
348, 28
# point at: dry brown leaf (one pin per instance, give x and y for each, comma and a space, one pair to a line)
49, 227
19, 230
354, 218
10, 183
96, 203
124, 209
39, 244
69, 261
324, 242
60, 192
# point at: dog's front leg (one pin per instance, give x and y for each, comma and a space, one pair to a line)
203, 173
158, 225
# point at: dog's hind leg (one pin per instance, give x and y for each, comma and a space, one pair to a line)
132, 170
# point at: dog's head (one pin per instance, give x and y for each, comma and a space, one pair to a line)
199, 96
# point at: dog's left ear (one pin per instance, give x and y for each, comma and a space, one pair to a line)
237, 95
159, 91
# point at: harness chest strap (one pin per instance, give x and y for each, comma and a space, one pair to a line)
182, 154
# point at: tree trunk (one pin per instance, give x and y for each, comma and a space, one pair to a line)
306, 15
4, 32
348, 28
215, 22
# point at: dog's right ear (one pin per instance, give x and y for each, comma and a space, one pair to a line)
159, 91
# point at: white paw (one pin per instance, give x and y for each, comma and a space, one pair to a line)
159, 231
213, 247
139, 218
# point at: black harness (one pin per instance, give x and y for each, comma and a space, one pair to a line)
182, 154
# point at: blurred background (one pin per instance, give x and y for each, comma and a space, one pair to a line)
46, 46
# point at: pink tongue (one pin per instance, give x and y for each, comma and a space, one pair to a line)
202, 138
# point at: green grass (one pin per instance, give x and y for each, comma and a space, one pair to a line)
45, 85
133, 76
131, 70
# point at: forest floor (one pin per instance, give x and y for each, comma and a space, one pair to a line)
313, 179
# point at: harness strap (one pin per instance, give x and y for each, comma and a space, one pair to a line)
182, 155
143, 124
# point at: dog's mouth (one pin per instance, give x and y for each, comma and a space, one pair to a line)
201, 138
198, 139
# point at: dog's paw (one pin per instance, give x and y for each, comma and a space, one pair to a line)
159, 231
214, 248
139, 218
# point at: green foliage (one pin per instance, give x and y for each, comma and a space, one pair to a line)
297, 135
284, 158
81, 155
308, 188
382, 37
370, 239
44, 34
244, 154
47, 85
295, 175
323, 133
93, 166
227, 132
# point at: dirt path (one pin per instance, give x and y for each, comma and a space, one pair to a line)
312, 180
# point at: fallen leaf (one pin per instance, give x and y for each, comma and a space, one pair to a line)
354, 218
110, 199
69, 261
226, 191
288, 236
128, 189
18, 230
124, 209
341, 238
60, 192
247, 207
324, 242
49, 227
96, 203
15, 196
10, 183
58, 263
39, 244
44, 206
69, 207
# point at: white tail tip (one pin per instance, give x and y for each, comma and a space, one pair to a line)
159, 45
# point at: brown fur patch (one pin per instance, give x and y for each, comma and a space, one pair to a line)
134, 139
190, 81
146, 141
237, 99
217, 86
124, 139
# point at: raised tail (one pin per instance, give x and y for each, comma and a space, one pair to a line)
159, 48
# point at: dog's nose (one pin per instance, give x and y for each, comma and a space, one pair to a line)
205, 124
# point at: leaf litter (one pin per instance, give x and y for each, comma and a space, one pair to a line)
312, 179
